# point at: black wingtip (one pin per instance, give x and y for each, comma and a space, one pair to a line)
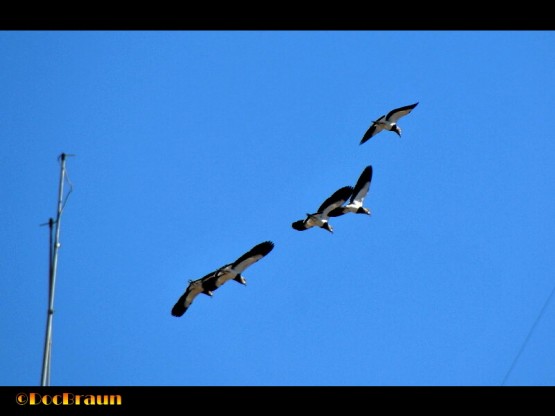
178, 310
264, 247
299, 225
367, 136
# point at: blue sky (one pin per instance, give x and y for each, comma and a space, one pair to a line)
191, 147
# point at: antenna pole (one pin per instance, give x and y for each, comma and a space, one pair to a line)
53, 264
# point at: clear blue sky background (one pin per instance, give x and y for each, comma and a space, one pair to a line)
192, 147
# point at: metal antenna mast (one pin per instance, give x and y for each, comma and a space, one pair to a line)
53, 264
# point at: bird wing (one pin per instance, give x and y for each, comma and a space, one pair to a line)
397, 113
252, 256
300, 225
337, 199
193, 290
362, 185
374, 129
337, 212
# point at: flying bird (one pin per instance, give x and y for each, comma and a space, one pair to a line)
357, 198
212, 281
321, 217
388, 122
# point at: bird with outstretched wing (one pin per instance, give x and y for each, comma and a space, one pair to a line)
214, 280
321, 217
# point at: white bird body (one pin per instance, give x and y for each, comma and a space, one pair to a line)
352, 207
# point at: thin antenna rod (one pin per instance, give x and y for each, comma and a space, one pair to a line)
544, 307
45, 377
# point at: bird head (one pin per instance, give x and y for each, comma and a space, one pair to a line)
396, 129
239, 278
328, 227
363, 210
